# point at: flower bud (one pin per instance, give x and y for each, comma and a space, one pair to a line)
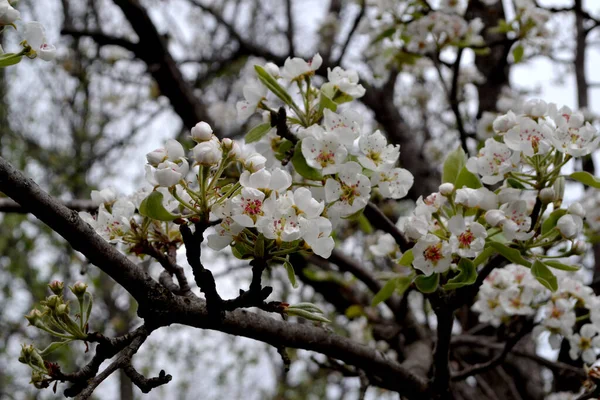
53, 301
559, 188
231, 148
174, 150
579, 247
79, 289
576, 209
35, 318
208, 153
167, 174
535, 107
56, 287
494, 217
255, 162
202, 132
156, 157
272, 69
504, 123
446, 189
8, 15
569, 226
62, 310
547, 195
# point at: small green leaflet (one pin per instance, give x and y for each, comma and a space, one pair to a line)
407, 258
512, 255
290, 273
453, 165
518, 53
271, 84
562, 266
9, 59
467, 275
544, 276
258, 132
550, 222
468, 179
152, 207
326, 102
427, 284
586, 178
385, 293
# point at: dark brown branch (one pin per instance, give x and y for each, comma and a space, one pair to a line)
101, 38
290, 27
11, 206
379, 220
171, 267
355, 24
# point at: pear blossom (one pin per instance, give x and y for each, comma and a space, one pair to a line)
559, 319
517, 301
494, 160
35, 36
111, 225
377, 155
481, 198
173, 151
415, 226
431, 254
277, 180
318, 236
296, 68
529, 137
272, 69
504, 123
485, 126
468, 238
346, 81
249, 206
254, 94
345, 127
576, 141
323, 151
582, 344
446, 189
227, 230
103, 196
350, 191
393, 184
430, 204
168, 173
535, 107
570, 225
8, 15
517, 222
280, 223
251, 160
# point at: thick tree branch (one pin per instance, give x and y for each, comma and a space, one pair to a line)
11, 206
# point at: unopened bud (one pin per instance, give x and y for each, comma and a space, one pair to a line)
156, 157
202, 132
547, 195
559, 188
576, 209
35, 318
494, 217
79, 289
56, 287
579, 247
446, 189
53, 301
62, 310
231, 147
272, 69
208, 153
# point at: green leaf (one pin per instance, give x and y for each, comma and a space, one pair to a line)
385, 292
561, 266
9, 59
290, 273
242, 251
453, 164
53, 347
259, 246
307, 307
544, 276
407, 258
300, 165
257, 133
550, 222
271, 84
518, 53
468, 179
152, 207
467, 275
512, 255
354, 311
427, 284
404, 283
586, 178
483, 256
364, 224
326, 102
306, 314
514, 183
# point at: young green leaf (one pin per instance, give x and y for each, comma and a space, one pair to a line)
427, 284
306, 314
407, 258
152, 207
544, 276
562, 266
468, 179
271, 84
586, 178
386, 292
550, 222
453, 164
466, 276
258, 132
512, 255
404, 283
518, 53
326, 102
9, 59
290, 273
